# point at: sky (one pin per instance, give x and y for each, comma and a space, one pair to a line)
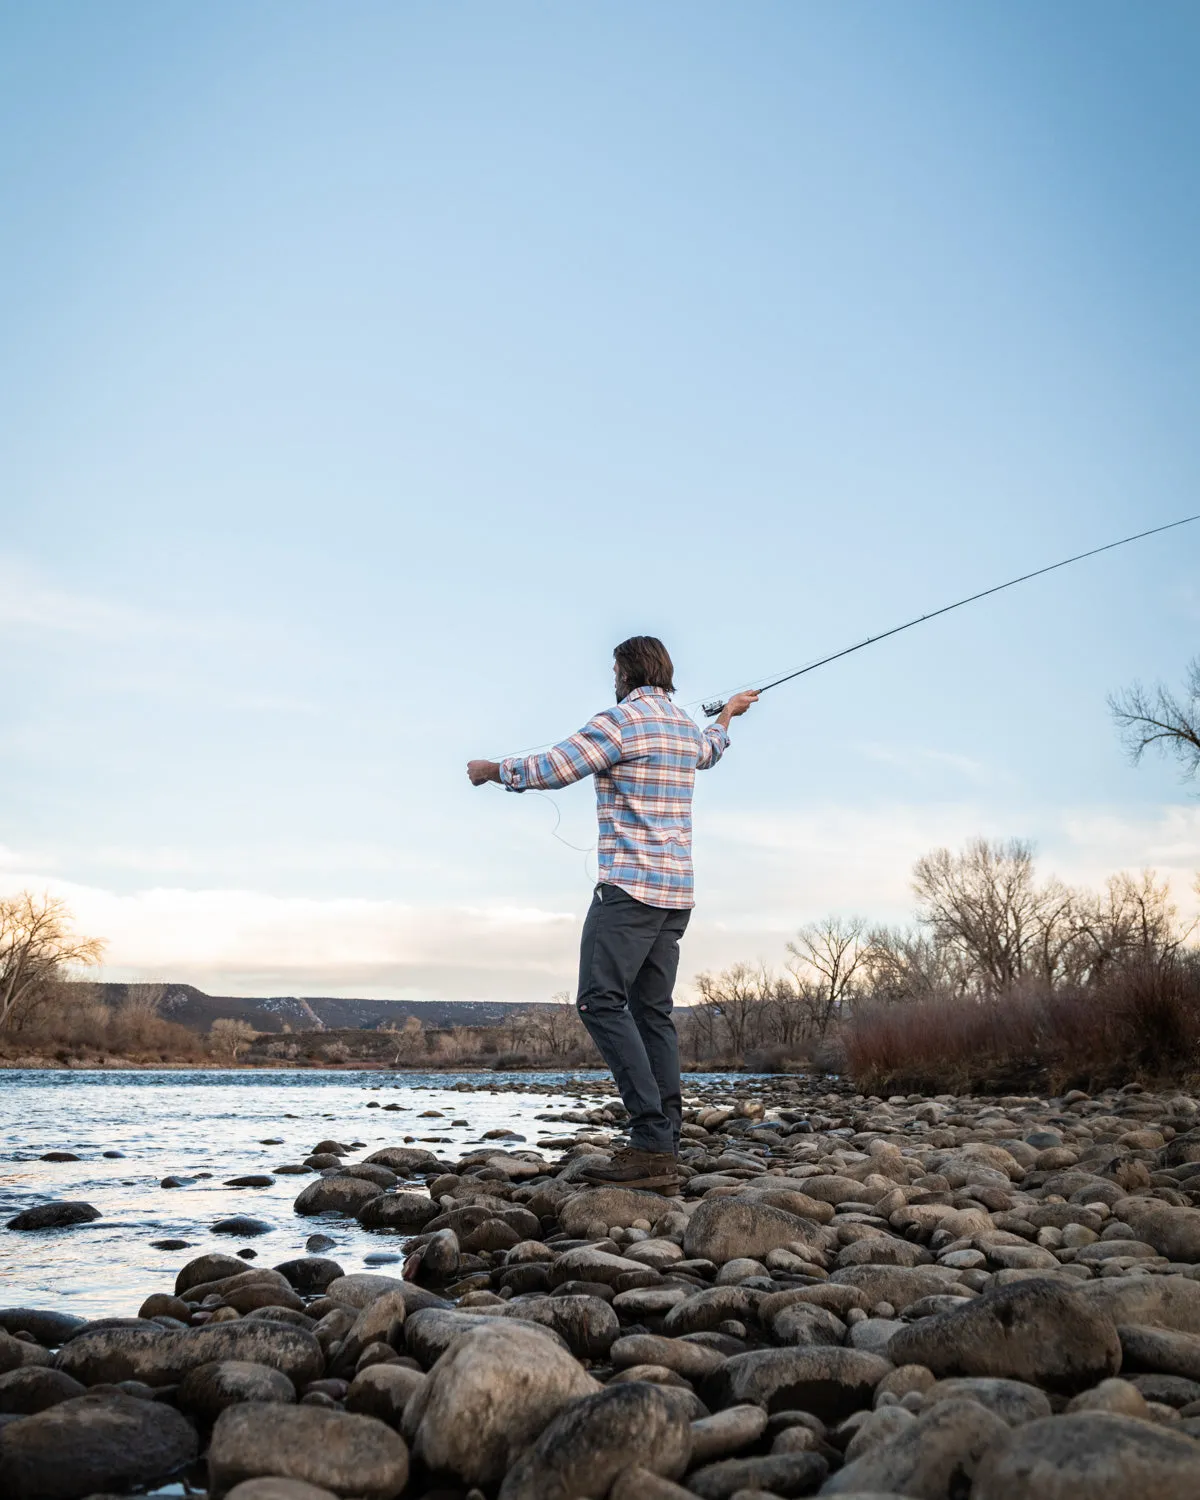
367, 372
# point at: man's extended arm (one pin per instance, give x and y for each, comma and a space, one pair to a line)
596, 747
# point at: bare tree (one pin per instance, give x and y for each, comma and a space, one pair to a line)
230, 1035
556, 1027
985, 903
826, 958
903, 964
1155, 716
731, 998
36, 947
143, 1002
408, 1040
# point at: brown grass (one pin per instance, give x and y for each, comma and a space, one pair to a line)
1142, 1024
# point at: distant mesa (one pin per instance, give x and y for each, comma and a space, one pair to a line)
190, 1007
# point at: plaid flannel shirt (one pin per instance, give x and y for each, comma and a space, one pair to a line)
644, 754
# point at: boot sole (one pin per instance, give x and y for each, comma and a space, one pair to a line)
667, 1185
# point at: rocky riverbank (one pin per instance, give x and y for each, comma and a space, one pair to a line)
946, 1299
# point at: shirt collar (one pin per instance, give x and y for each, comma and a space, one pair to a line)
645, 692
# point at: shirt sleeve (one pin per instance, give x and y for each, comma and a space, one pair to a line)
596, 747
714, 741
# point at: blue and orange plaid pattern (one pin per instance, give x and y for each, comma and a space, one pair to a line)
644, 754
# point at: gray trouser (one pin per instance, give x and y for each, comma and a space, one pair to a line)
628, 958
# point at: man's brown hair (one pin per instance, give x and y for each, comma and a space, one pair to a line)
643, 661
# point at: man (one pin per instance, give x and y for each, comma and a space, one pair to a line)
644, 754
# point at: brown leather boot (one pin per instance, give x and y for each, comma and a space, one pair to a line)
656, 1171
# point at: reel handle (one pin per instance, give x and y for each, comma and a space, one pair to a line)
712, 709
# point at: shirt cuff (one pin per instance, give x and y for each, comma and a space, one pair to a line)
512, 774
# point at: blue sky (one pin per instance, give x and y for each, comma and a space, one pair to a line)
367, 372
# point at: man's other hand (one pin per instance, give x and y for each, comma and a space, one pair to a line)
736, 706
481, 771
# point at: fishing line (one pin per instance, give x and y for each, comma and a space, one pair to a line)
714, 707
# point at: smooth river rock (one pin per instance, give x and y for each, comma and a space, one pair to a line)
1091, 1456
335, 1450
93, 1443
489, 1396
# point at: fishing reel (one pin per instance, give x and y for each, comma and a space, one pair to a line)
712, 709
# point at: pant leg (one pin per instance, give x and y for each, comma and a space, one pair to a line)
618, 935
650, 1005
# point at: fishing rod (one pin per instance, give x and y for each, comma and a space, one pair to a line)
715, 707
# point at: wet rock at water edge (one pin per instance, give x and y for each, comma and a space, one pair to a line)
93, 1443
48, 1327
58, 1156
54, 1216
338, 1451
242, 1225
343, 1195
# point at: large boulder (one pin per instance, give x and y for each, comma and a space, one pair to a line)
213, 1266
614, 1207
49, 1328
723, 1229
588, 1325
489, 1396
1161, 1351
341, 1195
336, 1450
900, 1285
161, 1358
585, 1447
93, 1443
1036, 1331
1092, 1455
54, 1216
934, 1457
402, 1211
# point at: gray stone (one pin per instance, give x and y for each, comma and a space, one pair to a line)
49, 1328
336, 1450
361, 1287
614, 1207
830, 1383
582, 1450
899, 1285
403, 1211
162, 1358
406, 1161
54, 1216
727, 1432
723, 1229
1013, 1401
278, 1489
93, 1443
1036, 1331
206, 1268
1160, 1351
342, 1195
489, 1396
804, 1323
15, 1354
207, 1390
310, 1273
692, 1361
383, 1391
933, 1458
1158, 1301
1091, 1455
33, 1388
243, 1225
707, 1309
780, 1473
380, 1322
587, 1325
